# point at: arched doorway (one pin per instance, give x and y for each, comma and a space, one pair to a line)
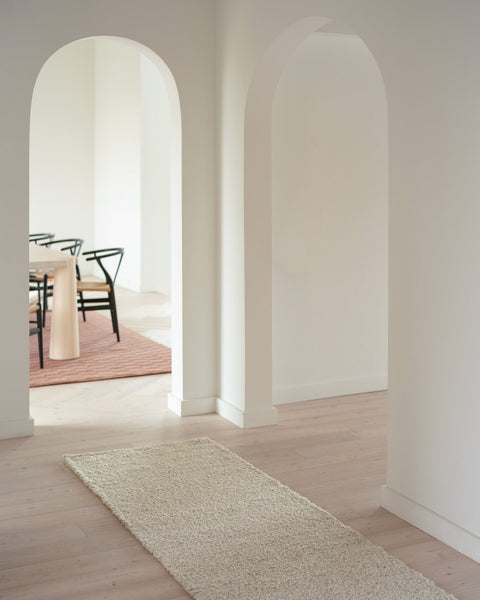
157, 31
329, 221
105, 159
258, 209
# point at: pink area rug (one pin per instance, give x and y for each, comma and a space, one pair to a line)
101, 356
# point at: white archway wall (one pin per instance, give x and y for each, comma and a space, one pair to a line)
329, 221
101, 156
428, 54
246, 94
432, 92
33, 33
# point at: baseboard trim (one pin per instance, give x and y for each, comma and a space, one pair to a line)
329, 388
432, 523
246, 419
16, 429
192, 406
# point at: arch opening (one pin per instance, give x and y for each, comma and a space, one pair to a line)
283, 341
105, 162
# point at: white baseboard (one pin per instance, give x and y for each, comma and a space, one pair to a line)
432, 523
329, 388
246, 419
194, 406
16, 429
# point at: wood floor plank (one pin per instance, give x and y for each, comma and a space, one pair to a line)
103, 571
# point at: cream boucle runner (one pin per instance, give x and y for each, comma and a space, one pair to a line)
227, 531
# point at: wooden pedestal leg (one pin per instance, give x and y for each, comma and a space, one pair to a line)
64, 341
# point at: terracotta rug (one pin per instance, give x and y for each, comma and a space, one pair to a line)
226, 530
101, 356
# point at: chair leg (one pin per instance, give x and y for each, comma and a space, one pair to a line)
82, 305
45, 298
80, 294
40, 336
113, 311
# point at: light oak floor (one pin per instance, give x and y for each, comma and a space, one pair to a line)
59, 542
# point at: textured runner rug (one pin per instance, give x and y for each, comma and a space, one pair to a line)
101, 356
226, 530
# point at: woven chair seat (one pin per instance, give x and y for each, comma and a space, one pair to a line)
39, 275
92, 286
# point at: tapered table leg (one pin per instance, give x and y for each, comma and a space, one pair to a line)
64, 339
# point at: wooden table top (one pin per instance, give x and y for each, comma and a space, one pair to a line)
41, 257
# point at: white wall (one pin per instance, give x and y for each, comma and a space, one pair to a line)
329, 219
156, 153
118, 184
62, 146
133, 131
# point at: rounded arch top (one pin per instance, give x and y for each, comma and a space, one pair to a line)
270, 66
161, 65
257, 197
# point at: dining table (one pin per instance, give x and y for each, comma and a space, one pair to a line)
64, 337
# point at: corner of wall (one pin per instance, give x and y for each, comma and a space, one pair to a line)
243, 419
432, 523
16, 429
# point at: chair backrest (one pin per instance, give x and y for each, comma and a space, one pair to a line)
100, 255
74, 245
40, 237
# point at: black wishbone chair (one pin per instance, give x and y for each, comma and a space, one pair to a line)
104, 287
34, 307
73, 245
43, 279
39, 279
40, 237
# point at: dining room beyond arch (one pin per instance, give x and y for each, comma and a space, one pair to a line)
101, 156
105, 163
